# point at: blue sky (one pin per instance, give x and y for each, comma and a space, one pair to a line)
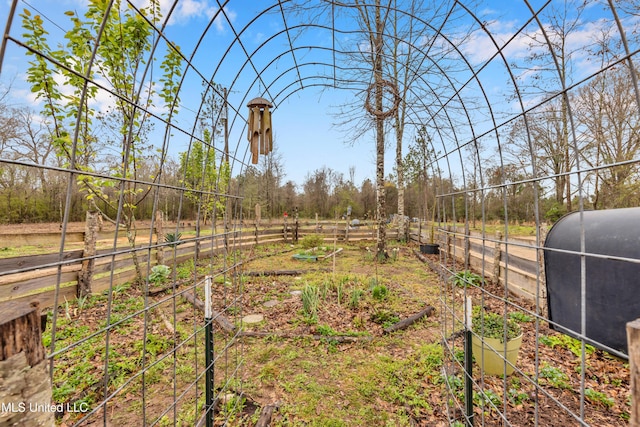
305, 136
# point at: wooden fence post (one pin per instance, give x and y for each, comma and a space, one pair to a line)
90, 236
296, 226
258, 211
497, 256
285, 227
467, 246
346, 227
159, 237
633, 341
255, 233
542, 276
26, 387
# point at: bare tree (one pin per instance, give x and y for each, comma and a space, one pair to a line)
272, 170
609, 114
317, 189
546, 72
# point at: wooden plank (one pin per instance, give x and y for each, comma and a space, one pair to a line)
633, 343
405, 323
32, 239
477, 247
477, 264
46, 299
37, 261
524, 264
118, 278
520, 282
17, 289
121, 261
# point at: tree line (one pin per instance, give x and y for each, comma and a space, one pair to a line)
116, 169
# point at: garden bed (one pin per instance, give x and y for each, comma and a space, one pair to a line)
320, 355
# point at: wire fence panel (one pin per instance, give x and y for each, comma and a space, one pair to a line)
143, 130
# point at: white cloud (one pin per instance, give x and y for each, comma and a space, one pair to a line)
188, 10
220, 21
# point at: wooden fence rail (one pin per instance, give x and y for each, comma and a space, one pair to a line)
518, 262
35, 278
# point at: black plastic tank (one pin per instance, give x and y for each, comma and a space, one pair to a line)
612, 285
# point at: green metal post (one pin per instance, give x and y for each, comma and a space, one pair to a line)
208, 331
468, 368
468, 362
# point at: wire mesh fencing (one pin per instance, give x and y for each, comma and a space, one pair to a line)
136, 128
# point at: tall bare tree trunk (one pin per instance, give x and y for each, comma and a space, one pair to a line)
402, 227
381, 247
567, 158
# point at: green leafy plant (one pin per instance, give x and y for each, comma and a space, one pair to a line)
571, 344
465, 278
515, 394
492, 325
311, 241
520, 317
326, 330
339, 292
487, 397
384, 318
555, 377
159, 274
599, 397
173, 238
379, 292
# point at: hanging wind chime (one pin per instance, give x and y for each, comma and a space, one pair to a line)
259, 135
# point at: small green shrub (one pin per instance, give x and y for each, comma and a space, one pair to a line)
487, 397
339, 292
379, 292
492, 325
159, 274
311, 241
571, 344
515, 393
465, 278
326, 330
